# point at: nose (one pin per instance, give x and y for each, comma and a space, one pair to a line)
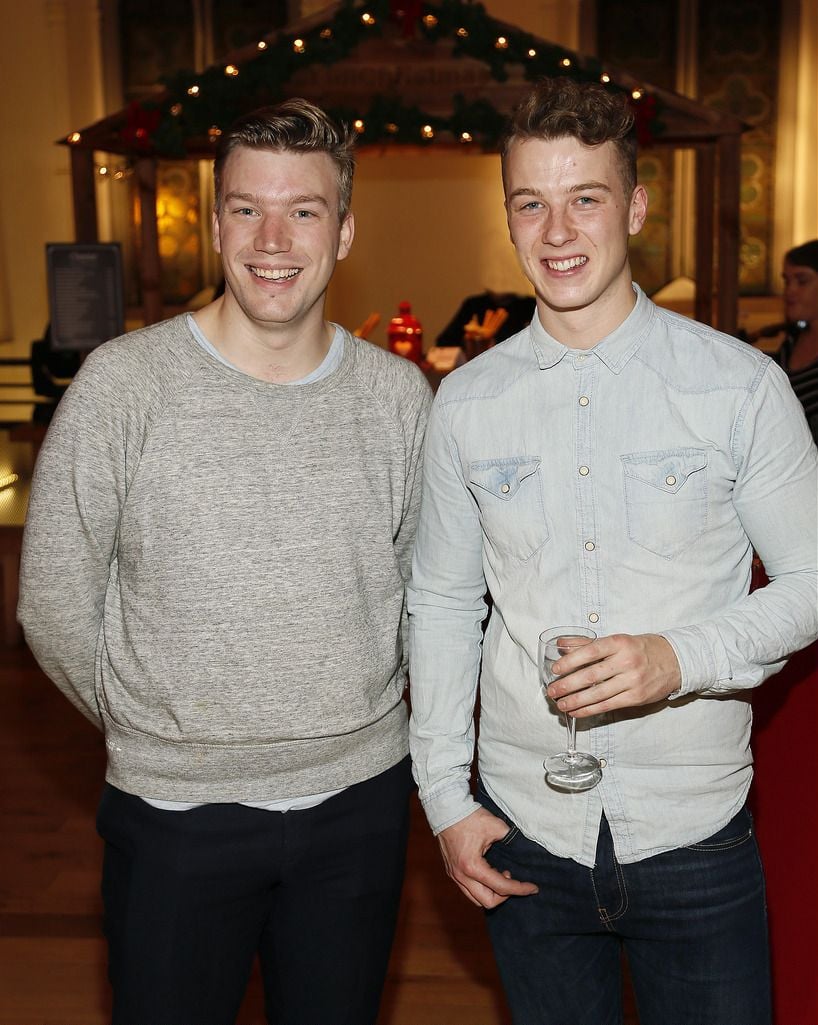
558, 228
272, 235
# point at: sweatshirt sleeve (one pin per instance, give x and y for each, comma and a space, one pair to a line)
417, 415
77, 494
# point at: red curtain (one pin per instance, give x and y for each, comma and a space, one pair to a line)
784, 800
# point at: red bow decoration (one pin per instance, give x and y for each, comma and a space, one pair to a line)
140, 126
644, 111
407, 12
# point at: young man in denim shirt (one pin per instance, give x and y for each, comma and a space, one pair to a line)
613, 465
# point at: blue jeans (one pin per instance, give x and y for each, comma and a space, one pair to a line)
192, 896
692, 923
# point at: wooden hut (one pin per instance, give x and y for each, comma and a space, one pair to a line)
426, 75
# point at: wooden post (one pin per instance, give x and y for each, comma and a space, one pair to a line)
149, 262
729, 230
83, 190
704, 232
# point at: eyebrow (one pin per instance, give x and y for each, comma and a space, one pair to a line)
249, 197
592, 186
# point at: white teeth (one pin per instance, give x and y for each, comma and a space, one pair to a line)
276, 275
575, 261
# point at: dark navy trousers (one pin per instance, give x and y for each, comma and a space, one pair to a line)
191, 897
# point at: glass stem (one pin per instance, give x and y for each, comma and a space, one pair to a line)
571, 723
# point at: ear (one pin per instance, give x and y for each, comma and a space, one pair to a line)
638, 210
346, 237
217, 242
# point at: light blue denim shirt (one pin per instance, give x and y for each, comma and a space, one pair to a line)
623, 487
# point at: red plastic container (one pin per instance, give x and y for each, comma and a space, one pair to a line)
405, 334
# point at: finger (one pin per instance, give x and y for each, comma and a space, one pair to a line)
488, 896
593, 701
473, 898
499, 882
582, 680
582, 654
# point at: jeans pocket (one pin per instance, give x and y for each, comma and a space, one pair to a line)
489, 805
737, 831
665, 498
513, 831
508, 493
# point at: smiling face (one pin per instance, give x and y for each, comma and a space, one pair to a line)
570, 220
279, 234
800, 293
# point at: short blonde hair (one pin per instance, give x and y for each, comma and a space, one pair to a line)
295, 125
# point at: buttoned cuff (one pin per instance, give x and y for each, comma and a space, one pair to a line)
701, 662
449, 805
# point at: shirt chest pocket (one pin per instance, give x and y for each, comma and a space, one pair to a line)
509, 495
666, 499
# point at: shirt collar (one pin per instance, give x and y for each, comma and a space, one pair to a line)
614, 349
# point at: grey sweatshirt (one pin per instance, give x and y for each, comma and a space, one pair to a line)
213, 566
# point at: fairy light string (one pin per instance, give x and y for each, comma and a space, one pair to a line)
197, 106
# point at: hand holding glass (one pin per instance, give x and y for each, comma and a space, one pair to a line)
573, 770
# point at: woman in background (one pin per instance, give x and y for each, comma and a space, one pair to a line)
798, 354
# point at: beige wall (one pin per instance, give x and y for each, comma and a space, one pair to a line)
796, 194
51, 83
430, 228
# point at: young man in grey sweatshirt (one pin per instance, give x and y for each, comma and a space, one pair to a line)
213, 571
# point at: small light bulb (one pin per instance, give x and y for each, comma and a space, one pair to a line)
231, 70
532, 53
74, 137
605, 77
465, 137
262, 45
637, 94
566, 62
367, 18
429, 20
463, 33
358, 125
326, 33
501, 43
298, 45
427, 132
193, 90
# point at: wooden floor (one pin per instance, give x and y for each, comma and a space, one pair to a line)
52, 957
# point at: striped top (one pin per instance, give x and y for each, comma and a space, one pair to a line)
804, 381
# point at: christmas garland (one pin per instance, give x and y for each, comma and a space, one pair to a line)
200, 106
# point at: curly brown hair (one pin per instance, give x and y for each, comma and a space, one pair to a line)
557, 108
296, 125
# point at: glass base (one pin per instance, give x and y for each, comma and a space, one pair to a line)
578, 771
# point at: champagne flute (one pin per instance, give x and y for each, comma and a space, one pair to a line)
572, 770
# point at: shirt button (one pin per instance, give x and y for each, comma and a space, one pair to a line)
584, 400
670, 480
581, 359
603, 762
505, 488
584, 471
593, 618
589, 546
